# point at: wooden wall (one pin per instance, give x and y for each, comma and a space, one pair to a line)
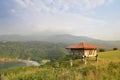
86, 52
90, 53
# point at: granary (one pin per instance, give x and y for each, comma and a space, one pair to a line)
84, 50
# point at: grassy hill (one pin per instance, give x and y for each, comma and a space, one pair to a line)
107, 68
110, 55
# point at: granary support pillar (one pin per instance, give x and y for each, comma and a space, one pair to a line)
84, 59
71, 62
96, 57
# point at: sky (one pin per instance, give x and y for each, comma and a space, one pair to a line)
98, 19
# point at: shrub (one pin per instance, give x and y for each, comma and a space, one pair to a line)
102, 50
115, 48
69, 57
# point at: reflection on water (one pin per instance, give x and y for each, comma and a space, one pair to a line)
7, 65
18, 63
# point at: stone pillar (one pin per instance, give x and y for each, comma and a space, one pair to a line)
71, 62
1, 77
96, 57
84, 59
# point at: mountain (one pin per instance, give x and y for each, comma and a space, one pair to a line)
61, 38
66, 38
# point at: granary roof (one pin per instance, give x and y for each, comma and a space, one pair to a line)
83, 45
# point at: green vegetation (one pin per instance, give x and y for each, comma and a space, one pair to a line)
102, 50
110, 55
35, 50
107, 68
115, 48
62, 38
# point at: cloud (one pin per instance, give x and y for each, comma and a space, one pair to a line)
13, 10
21, 3
60, 16
55, 6
91, 4
34, 8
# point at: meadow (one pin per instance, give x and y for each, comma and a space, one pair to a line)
107, 68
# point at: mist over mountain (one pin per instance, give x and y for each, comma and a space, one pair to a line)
64, 38
61, 38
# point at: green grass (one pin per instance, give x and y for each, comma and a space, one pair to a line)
101, 70
110, 55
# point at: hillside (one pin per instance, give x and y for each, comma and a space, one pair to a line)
110, 55
103, 70
35, 50
63, 38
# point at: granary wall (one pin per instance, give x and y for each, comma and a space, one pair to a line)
88, 53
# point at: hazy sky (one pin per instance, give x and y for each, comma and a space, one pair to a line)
94, 18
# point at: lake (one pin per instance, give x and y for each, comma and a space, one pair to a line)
8, 65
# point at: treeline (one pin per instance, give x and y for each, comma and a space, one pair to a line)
35, 50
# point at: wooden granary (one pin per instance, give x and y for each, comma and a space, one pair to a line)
84, 50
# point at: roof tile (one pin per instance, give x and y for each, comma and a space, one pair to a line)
83, 45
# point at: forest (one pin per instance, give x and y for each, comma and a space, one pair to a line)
34, 50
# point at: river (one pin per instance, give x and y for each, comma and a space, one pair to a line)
19, 63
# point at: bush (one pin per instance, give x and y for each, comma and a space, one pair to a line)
69, 57
115, 48
102, 50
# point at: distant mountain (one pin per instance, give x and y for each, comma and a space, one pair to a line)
63, 38
67, 38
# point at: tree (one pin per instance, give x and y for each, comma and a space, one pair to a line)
102, 50
115, 48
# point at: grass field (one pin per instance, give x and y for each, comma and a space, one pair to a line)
107, 68
110, 55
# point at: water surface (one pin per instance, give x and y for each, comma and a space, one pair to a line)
8, 65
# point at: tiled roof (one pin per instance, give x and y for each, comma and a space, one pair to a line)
83, 45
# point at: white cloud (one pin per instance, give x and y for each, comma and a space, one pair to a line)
54, 6
37, 18
90, 4
21, 3
34, 8
13, 10
67, 23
